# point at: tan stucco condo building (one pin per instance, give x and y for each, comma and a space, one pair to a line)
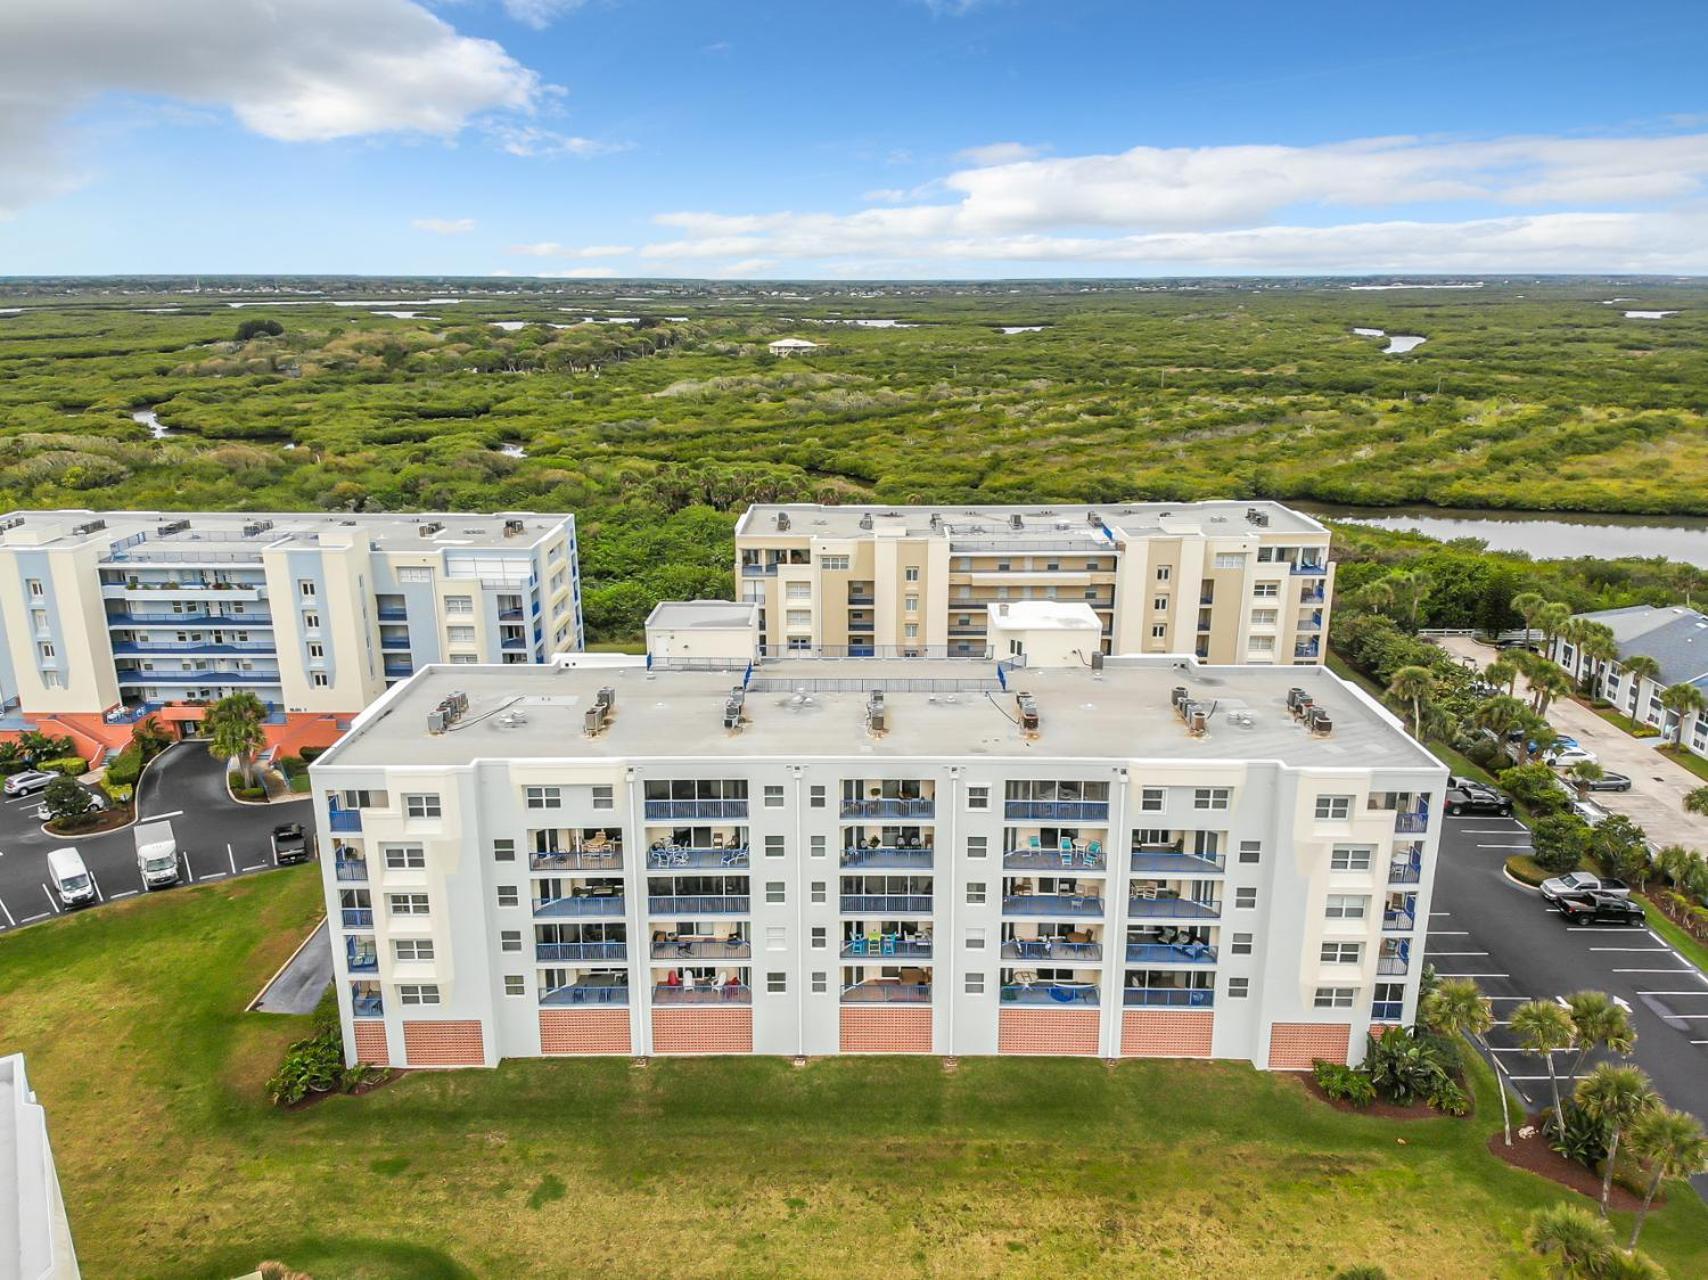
1228, 582
106, 617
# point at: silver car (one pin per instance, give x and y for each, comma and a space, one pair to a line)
28, 782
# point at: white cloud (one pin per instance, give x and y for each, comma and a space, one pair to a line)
1265, 208
532, 140
552, 249
444, 226
1000, 153
290, 70
540, 14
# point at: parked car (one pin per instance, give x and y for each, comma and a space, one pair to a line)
1590, 812
95, 794
1562, 757
1609, 781
1601, 908
1558, 888
290, 843
28, 782
1466, 796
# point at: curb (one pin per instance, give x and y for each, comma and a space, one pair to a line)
268, 985
1514, 880
135, 792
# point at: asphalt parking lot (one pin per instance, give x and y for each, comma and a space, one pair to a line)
1517, 948
217, 837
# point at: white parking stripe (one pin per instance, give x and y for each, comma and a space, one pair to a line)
1449, 933
1651, 971
1440, 913
161, 817
50, 901
1688, 1017
39, 916
259, 866
1479, 975
9, 919
1487, 996
1673, 993
232, 857
1436, 955
99, 897
1525, 845
127, 893
214, 875
1663, 949
1493, 831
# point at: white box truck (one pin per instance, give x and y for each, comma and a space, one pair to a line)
156, 854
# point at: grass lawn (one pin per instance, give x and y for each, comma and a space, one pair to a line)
1682, 942
1617, 718
174, 1166
1686, 757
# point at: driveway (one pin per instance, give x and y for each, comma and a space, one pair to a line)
1655, 801
1484, 927
217, 837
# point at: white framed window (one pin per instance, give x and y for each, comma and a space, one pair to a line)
543, 797
310, 620
819, 891
515, 985
1159, 631
509, 896
460, 635
1211, 797
1342, 952
799, 617
1164, 572
1251, 851
817, 846
911, 573
1261, 644
974, 984
604, 798
975, 893
405, 857
775, 892
1347, 906
316, 650
815, 796
1152, 799
1239, 988
799, 591
776, 937
414, 573
320, 680
910, 630
1240, 944
1229, 560
305, 588
1264, 617
1245, 898
975, 939
774, 846
910, 603
45, 649
978, 846
833, 564
1159, 604
413, 993
1350, 857
777, 983
509, 939
1334, 808
978, 798
1333, 998
820, 982
412, 948
459, 604
773, 797
1266, 590
35, 587
407, 904
424, 805
504, 850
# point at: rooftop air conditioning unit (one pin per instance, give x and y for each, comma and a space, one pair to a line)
1028, 706
782, 522
1317, 721
866, 520
1097, 660
733, 706
436, 721
595, 719
1197, 716
171, 527
1295, 696
431, 527
876, 719
1177, 697
90, 526
1015, 522
513, 527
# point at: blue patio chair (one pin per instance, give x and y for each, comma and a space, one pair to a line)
889, 944
1034, 845
857, 945
1094, 853
1062, 995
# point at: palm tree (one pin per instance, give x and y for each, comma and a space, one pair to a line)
1640, 667
1498, 714
1503, 670
1413, 685
1599, 1023
1552, 618
1572, 633
235, 731
1376, 596
1576, 1242
1410, 588
1548, 681
1598, 646
1457, 1007
1528, 604
1534, 729
1697, 801
1585, 771
1684, 701
1616, 1096
1545, 1028
1672, 1144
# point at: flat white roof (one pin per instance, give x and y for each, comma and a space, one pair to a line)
802, 708
1039, 521
703, 615
1042, 615
190, 531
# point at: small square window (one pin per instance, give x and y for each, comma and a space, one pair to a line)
510, 940
820, 937
975, 939
773, 797
504, 851
975, 893
515, 985
1333, 998
604, 798
820, 982
1151, 799
1251, 851
405, 857
774, 892
1211, 797
1239, 988
1245, 898
1334, 808
978, 797
1241, 945
819, 891
975, 984
1349, 858
777, 983
508, 896
773, 846
421, 806
418, 993
1342, 952
817, 846
413, 948
978, 846
815, 797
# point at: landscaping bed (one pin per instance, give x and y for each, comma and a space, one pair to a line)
1381, 1107
1523, 868
109, 819
1530, 1151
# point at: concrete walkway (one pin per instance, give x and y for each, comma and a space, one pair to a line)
300, 984
1655, 801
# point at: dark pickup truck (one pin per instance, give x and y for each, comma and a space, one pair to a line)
1600, 908
291, 843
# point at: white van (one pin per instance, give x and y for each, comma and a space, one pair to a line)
71, 879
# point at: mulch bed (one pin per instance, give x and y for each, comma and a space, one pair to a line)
108, 820
392, 1073
1534, 1155
1380, 1107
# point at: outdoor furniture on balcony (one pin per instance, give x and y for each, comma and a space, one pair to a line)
548, 952
1307, 569
1405, 870
715, 904
889, 857
590, 904
585, 993
367, 1006
675, 946
885, 945
1051, 949
1052, 904
664, 855
359, 957
1412, 823
894, 808
887, 991
1169, 997
1050, 993
1067, 855
719, 993
350, 868
1170, 953
584, 859
1398, 922
911, 904
1307, 650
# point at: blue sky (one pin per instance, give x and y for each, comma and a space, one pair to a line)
851, 137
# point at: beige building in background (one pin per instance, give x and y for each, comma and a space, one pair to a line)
1228, 582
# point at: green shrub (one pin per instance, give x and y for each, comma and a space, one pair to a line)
1449, 1098
314, 1065
1344, 1083
68, 802
1522, 868
1560, 843
70, 766
1403, 1066
118, 793
290, 766
1533, 786
308, 754
126, 767
1584, 1138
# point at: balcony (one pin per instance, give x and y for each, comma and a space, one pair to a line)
1312, 593
361, 959
909, 904
1170, 953
357, 917
1168, 997
394, 644
510, 615
548, 952
350, 868
138, 591
702, 904
1051, 993
1307, 649
209, 677
862, 598
1311, 623
1161, 908
679, 856
1405, 870
918, 807
1398, 921
1087, 855
865, 946
1056, 810
392, 613
367, 1006
124, 648
859, 626
1411, 823
1051, 949
605, 904
676, 810
697, 948
513, 644
888, 858
1052, 904
739, 993
1392, 964
399, 670
132, 619
1387, 1011
1306, 570
759, 570
575, 860
1174, 860
881, 991
584, 993
345, 820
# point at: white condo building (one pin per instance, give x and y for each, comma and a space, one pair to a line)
697, 853
109, 616
1231, 582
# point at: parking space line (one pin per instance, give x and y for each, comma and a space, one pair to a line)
1688, 1017
1487, 996
161, 817
99, 896
232, 858
1665, 949
1652, 971
1481, 975
1525, 845
189, 871
1440, 913
214, 875
126, 894
1493, 831
1437, 955
50, 901
1673, 993
1449, 933
8, 914
32, 919
259, 866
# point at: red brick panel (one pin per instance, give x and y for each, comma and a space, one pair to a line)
695, 1030
1378, 1028
866, 1030
584, 1031
443, 1044
1293, 1046
370, 1042
1166, 1033
1047, 1031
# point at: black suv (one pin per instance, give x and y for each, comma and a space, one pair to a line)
1600, 908
1466, 796
290, 843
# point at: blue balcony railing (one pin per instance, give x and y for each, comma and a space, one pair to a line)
1178, 862
1387, 1011
1405, 871
362, 959
357, 917
738, 858
199, 677
1310, 570
133, 619
1169, 997
345, 819
603, 905
1043, 859
1170, 953
1052, 904
759, 570
350, 868
1310, 649
714, 904
913, 808
575, 860
1398, 922
1050, 993
392, 614
581, 993
1173, 908
1046, 949
886, 945
887, 993
364, 1006
548, 952
912, 904
677, 810
702, 949
1056, 810
1411, 823
887, 858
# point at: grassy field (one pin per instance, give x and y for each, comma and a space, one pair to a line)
1686, 758
173, 1166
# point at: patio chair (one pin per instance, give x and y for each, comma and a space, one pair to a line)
889, 945
1034, 845
1094, 853
717, 840
857, 945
